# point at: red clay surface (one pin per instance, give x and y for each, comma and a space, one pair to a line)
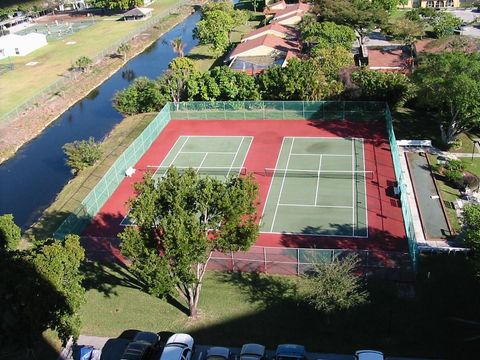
385, 222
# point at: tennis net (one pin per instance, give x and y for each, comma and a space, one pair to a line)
225, 171
329, 174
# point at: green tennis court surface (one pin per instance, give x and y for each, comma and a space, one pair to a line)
214, 156
318, 188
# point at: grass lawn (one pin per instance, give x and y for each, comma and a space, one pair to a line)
76, 190
237, 308
57, 57
415, 125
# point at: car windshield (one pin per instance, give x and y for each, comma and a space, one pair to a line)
215, 357
175, 344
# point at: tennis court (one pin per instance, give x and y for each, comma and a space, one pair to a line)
214, 156
318, 188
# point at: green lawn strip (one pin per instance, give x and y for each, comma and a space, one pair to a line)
78, 188
57, 57
237, 308
466, 145
202, 54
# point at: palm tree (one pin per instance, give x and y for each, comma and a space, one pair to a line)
123, 50
178, 46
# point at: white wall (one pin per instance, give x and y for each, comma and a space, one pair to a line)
21, 45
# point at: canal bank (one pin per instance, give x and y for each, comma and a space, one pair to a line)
31, 179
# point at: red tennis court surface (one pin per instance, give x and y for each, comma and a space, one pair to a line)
386, 232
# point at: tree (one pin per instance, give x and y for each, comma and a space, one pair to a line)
362, 16
82, 154
123, 50
327, 35
10, 233
471, 231
178, 46
180, 220
405, 29
449, 87
444, 23
143, 95
82, 63
299, 80
173, 82
116, 4
41, 289
389, 5
332, 287
332, 60
394, 88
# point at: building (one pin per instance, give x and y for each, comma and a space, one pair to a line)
21, 45
395, 58
137, 13
275, 29
73, 5
439, 4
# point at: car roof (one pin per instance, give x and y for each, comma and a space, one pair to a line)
218, 351
369, 355
180, 339
135, 350
172, 353
253, 349
290, 350
147, 336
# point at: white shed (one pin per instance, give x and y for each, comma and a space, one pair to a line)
21, 45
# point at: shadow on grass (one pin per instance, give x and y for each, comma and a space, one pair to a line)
415, 124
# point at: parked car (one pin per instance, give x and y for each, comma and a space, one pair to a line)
368, 355
253, 352
178, 347
218, 353
142, 346
290, 352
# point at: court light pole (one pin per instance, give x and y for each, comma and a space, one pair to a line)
476, 141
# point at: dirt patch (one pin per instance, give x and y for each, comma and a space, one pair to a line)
31, 122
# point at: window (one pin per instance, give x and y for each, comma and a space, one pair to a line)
17, 51
430, 3
450, 3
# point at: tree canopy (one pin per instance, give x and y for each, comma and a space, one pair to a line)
10, 233
116, 4
448, 86
82, 154
181, 219
41, 289
327, 34
362, 16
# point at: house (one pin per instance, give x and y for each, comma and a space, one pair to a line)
276, 6
21, 45
292, 9
387, 58
438, 4
137, 13
291, 19
256, 55
73, 5
275, 29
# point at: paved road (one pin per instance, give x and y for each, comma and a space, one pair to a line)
112, 349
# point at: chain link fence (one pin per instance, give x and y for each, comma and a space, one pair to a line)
65, 79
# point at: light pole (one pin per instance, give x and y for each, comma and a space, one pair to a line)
476, 141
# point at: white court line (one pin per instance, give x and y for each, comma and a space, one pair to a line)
316, 235
203, 160
211, 152
299, 154
365, 186
317, 206
273, 177
353, 187
281, 187
236, 154
318, 178
248, 150
170, 151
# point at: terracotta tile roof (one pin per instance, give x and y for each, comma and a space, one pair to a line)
389, 59
271, 41
290, 55
292, 9
288, 31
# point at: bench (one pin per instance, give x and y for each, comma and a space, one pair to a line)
130, 171
424, 143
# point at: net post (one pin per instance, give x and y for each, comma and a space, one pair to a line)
233, 260
298, 261
265, 259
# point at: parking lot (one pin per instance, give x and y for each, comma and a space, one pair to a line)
112, 349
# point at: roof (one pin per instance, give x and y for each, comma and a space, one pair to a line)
388, 58
288, 31
284, 18
16, 39
270, 41
294, 8
138, 11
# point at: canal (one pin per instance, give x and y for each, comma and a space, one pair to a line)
30, 180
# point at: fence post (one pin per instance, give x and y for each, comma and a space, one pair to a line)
265, 259
233, 260
298, 261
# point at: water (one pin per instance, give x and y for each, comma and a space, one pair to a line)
30, 181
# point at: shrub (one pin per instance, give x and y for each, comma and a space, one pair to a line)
82, 63
82, 154
9, 233
453, 172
